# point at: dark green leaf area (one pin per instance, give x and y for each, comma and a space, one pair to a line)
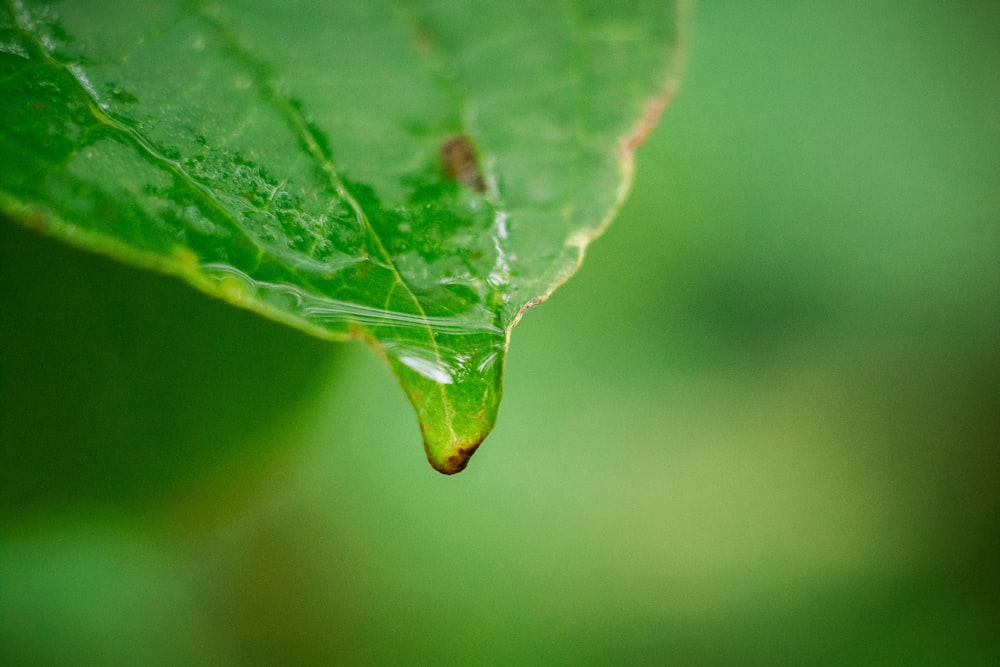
441, 243
54, 133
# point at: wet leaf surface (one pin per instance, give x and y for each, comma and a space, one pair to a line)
412, 174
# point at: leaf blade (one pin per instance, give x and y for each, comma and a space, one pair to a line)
413, 182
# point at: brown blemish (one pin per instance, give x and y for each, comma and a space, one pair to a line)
423, 39
458, 159
354, 331
456, 462
651, 115
36, 221
531, 304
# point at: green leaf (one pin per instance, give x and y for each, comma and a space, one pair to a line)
413, 174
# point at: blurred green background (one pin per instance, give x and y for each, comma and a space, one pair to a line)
760, 426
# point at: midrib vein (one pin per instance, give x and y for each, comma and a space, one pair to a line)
301, 128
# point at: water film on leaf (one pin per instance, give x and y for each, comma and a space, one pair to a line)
411, 174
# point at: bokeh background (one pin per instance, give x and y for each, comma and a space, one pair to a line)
760, 426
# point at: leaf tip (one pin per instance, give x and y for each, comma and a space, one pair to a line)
455, 459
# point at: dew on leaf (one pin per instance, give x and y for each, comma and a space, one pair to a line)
227, 153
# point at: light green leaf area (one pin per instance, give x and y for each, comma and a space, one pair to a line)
413, 174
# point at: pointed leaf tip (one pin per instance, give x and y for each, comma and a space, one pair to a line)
455, 458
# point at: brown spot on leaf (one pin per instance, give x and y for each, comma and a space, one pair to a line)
36, 221
423, 39
524, 309
457, 461
654, 109
458, 159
